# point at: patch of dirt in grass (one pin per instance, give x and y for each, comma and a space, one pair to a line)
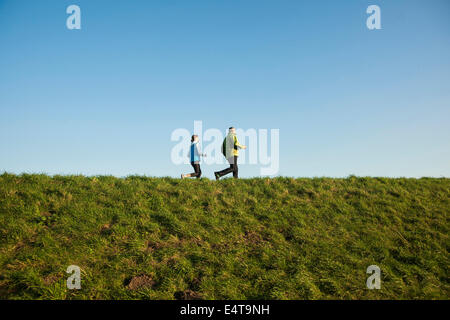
19, 245
172, 243
152, 246
4, 292
195, 284
140, 282
327, 287
187, 295
105, 229
252, 237
50, 279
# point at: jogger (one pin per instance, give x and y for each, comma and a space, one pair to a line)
230, 149
195, 155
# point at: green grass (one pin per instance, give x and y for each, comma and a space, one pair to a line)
283, 238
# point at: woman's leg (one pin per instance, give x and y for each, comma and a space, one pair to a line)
194, 174
197, 170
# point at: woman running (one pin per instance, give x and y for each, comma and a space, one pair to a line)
195, 155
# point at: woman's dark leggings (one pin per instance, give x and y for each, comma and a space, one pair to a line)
198, 171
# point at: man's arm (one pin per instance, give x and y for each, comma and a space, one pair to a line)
237, 144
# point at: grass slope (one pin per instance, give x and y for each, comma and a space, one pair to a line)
163, 238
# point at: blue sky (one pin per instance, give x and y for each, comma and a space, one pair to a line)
105, 99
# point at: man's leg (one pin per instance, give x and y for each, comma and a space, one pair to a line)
235, 167
227, 170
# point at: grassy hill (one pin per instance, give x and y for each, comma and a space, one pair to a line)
283, 238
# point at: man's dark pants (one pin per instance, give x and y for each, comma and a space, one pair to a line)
233, 168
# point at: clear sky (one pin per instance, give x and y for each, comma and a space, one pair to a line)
105, 99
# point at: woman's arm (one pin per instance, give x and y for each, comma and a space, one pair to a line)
199, 151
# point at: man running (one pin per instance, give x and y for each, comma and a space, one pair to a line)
230, 149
